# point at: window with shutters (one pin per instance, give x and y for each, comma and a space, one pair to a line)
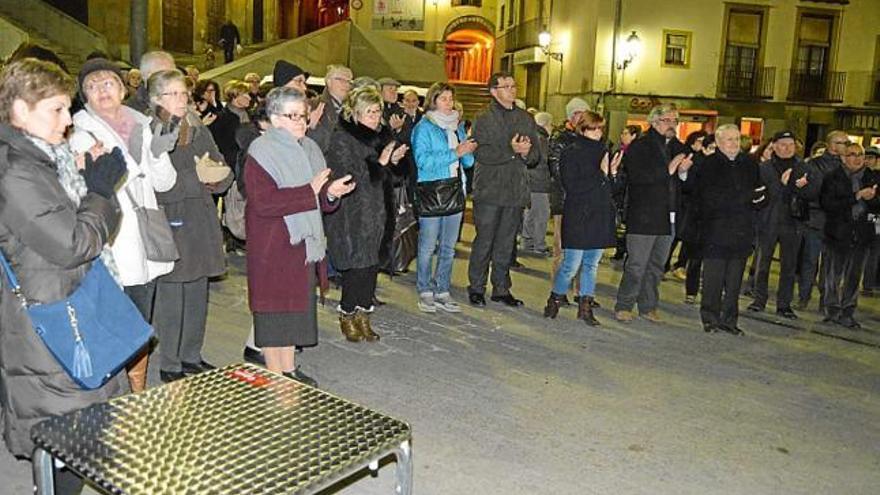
676, 48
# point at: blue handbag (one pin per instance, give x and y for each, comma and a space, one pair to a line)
93, 332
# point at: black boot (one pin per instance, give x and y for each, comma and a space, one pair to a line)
552, 307
585, 311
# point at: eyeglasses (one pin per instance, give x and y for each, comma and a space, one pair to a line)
296, 117
105, 85
509, 86
668, 120
175, 94
595, 127
854, 155
342, 80
838, 143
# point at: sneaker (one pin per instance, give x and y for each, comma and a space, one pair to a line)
690, 300
755, 307
653, 316
680, 274
426, 303
444, 302
624, 316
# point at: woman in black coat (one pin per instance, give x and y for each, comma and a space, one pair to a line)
728, 190
589, 215
354, 231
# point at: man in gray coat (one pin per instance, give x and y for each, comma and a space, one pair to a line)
508, 145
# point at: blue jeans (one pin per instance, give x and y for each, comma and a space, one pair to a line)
812, 248
572, 259
436, 235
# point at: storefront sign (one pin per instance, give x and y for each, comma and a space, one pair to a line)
399, 15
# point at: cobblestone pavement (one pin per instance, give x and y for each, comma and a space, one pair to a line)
503, 401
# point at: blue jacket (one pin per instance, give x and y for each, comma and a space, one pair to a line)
432, 153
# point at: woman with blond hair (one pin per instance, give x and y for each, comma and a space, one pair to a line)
360, 147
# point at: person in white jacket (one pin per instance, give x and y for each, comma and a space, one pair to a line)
107, 121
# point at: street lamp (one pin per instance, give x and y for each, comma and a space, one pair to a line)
544, 39
631, 50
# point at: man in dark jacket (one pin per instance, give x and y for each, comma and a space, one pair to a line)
508, 145
817, 169
537, 216
728, 189
650, 214
849, 193
338, 84
777, 223
229, 40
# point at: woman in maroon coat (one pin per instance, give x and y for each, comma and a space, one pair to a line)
288, 188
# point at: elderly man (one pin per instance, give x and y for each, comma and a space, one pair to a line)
650, 214
728, 189
151, 63
780, 222
508, 145
817, 169
337, 82
848, 194
392, 113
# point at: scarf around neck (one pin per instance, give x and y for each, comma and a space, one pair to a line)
293, 162
449, 123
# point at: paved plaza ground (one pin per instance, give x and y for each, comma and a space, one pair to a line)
503, 401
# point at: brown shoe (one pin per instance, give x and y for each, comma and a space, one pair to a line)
585, 311
362, 324
653, 316
552, 307
137, 372
349, 329
624, 316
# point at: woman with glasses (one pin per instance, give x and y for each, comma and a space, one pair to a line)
359, 147
588, 178
181, 308
145, 147
234, 115
288, 186
206, 97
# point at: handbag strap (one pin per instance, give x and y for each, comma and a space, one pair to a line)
11, 278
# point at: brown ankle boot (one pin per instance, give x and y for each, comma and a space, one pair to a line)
362, 323
552, 307
137, 372
585, 311
349, 329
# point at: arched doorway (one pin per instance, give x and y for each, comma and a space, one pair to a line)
469, 44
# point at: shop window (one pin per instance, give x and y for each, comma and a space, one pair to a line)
676, 48
753, 128
467, 3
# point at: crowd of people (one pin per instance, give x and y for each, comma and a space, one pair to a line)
337, 185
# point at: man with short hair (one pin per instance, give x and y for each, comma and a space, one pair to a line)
392, 112
728, 190
508, 146
337, 84
779, 224
817, 169
650, 213
230, 39
848, 194
151, 63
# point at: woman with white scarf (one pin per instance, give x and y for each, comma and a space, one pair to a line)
441, 150
288, 188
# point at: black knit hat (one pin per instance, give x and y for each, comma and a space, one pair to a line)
96, 65
285, 71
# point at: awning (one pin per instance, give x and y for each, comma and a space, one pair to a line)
366, 53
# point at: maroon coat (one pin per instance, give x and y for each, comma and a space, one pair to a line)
276, 270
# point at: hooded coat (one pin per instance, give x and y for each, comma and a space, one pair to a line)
50, 244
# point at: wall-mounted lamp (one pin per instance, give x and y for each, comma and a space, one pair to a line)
544, 39
631, 50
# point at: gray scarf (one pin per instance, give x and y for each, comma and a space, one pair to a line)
293, 163
448, 123
74, 185
860, 207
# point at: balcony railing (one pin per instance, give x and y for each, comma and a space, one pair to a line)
522, 35
737, 83
822, 87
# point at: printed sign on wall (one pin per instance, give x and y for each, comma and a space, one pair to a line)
399, 15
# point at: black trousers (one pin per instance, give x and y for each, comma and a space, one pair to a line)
495, 241
143, 297
722, 279
842, 277
694, 272
789, 242
358, 287
228, 52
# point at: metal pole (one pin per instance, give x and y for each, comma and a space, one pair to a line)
137, 36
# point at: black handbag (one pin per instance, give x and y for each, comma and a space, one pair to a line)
438, 198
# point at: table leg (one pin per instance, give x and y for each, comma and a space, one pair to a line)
404, 472
44, 483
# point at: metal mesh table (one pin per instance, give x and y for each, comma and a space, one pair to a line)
235, 430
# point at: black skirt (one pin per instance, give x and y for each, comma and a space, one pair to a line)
290, 328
